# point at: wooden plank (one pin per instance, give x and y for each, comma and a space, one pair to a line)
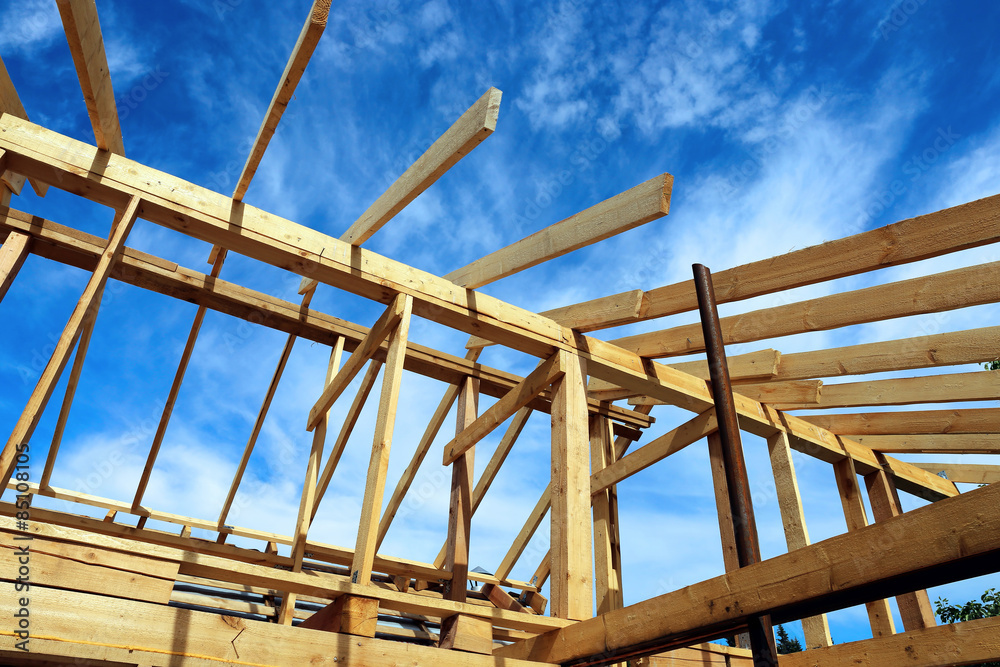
83, 32
467, 634
914, 607
804, 392
410, 473
175, 388
945, 349
371, 506
959, 288
456, 558
966, 473
63, 626
13, 252
968, 643
724, 512
353, 413
606, 567
384, 326
545, 374
644, 203
953, 387
202, 214
934, 444
296, 67
10, 102
348, 614
571, 590
964, 420
939, 543
60, 355
815, 629
879, 614
478, 122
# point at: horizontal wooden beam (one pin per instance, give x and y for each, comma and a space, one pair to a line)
643, 203
968, 643
949, 443
951, 388
198, 212
931, 235
964, 473
83, 32
309, 37
954, 539
545, 374
959, 288
794, 391
964, 420
945, 349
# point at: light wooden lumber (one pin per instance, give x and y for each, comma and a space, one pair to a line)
13, 252
644, 203
353, 413
456, 558
607, 563
383, 327
10, 102
949, 388
296, 67
545, 374
963, 473
63, 626
206, 215
931, 235
60, 355
964, 420
816, 629
371, 505
951, 443
805, 392
959, 288
571, 589
83, 32
945, 349
931, 545
175, 388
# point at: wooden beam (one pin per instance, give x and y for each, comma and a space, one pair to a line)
968, 643
816, 629
353, 413
26, 424
955, 387
804, 392
460, 502
915, 606
934, 444
879, 614
209, 216
175, 388
572, 593
382, 328
945, 349
963, 473
296, 67
478, 122
348, 614
959, 288
13, 252
931, 235
964, 420
644, 203
10, 102
371, 506
83, 32
410, 473
607, 562
545, 374
932, 545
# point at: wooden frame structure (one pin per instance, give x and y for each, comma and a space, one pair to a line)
176, 599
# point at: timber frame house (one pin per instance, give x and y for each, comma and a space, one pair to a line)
115, 592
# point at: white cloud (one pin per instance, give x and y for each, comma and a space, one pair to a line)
29, 25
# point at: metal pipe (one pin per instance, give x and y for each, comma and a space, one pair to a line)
744, 526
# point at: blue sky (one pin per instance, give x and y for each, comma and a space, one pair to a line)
784, 125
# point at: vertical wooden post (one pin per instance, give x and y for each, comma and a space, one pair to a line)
607, 563
371, 507
879, 614
572, 594
4, 195
914, 608
13, 252
815, 628
460, 507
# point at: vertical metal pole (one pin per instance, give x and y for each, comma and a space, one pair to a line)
762, 645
